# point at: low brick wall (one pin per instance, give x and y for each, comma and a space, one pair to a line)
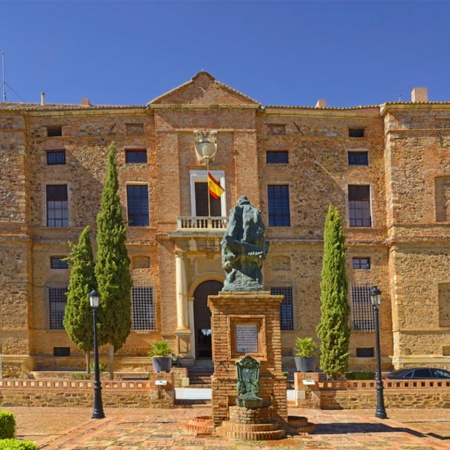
60, 392
362, 394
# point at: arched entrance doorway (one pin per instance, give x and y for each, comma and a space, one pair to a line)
202, 318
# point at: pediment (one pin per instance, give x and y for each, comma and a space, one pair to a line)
203, 89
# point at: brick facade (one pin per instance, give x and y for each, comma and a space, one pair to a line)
407, 241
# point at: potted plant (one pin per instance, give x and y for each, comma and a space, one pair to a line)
305, 354
160, 352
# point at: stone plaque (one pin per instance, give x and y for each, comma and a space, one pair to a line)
247, 338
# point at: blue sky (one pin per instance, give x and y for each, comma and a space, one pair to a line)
278, 52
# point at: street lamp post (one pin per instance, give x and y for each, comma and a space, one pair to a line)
375, 298
94, 298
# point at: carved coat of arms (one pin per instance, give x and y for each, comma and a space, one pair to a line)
205, 144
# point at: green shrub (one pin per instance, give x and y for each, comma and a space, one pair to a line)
17, 444
101, 367
7, 425
360, 375
160, 348
79, 376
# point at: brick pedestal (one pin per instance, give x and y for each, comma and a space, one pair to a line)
233, 309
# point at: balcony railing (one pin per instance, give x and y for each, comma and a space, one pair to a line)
201, 223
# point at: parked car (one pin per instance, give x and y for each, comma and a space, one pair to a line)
415, 373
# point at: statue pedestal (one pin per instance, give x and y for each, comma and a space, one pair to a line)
247, 323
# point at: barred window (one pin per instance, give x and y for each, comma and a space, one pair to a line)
56, 157
286, 307
57, 300
136, 155
361, 263
57, 205
362, 311
57, 262
137, 199
143, 308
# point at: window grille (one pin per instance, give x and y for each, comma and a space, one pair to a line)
362, 311
136, 156
277, 157
56, 158
56, 262
279, 210
361, 263
57, 300
286, 307
358, 158
143, 308
137, 200
57, 206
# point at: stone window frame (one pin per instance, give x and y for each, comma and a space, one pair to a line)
201, 176
358, 261
53, 131
58, 161
357, 151
356, 132
276, 154
135, 149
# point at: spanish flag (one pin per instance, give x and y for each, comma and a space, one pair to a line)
215, 189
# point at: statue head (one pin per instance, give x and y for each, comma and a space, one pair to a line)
243, 200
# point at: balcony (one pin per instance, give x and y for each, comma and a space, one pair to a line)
190, 223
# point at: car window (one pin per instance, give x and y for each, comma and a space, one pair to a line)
423, 373
408, 374
438, 373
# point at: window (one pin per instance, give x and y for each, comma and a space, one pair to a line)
53, 131
61, 351
279, 211
358, 158
56, 262
57, 300
201, 201
280, 157
361, 263
136, 156
57, 206
286, 307
362, 312
137, 200
143, 308
56, 157
359, 206
356, 132
442, 198
365, 352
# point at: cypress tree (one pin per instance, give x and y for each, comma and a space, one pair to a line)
77, 314
333, 329
112, 268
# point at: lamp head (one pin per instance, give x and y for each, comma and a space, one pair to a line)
94, 299
375, 296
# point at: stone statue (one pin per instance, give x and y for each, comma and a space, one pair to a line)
244, 248
248, 383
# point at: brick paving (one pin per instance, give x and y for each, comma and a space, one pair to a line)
141, 429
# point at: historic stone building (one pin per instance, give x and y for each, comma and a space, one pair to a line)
386, 167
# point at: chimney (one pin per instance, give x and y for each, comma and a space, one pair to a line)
42, 98
85, 102
419, 95
321, 103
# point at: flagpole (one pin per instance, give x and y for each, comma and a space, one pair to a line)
207, 187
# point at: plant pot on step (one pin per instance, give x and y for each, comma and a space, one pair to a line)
305, 364
161, 363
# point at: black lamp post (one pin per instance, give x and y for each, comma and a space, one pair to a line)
94, 298
375, 298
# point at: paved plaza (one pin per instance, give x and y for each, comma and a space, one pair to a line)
133, 429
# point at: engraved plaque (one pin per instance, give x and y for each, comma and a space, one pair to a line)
247, 338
